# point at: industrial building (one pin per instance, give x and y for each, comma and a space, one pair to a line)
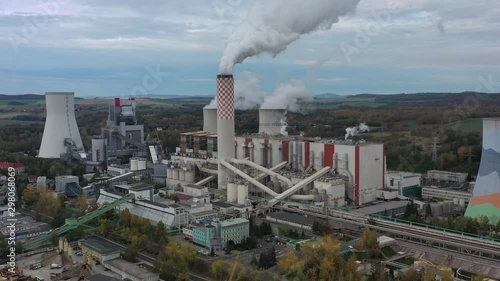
61, 135
446, 176
408, 184
26, 227
69, 186
130, 271
216, 234
389, 209
460, 198
98, 250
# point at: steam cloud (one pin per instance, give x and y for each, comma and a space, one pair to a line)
249, 94
271, 25
286, 96
350, 132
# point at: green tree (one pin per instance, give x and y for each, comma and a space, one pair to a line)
131, 252
183, 276
369, 240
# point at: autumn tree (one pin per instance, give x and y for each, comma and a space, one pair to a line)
30, 195
447, 275
369, 240
238, 272
183, 276
218, 269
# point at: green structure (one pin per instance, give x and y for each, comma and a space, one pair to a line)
72, 224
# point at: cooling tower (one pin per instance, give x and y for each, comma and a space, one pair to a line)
60, 124
486, 195
210, 120
225, 124
272, 122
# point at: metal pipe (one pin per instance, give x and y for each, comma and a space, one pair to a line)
206, 180
248, 178
298, 186
277, 167
262, 169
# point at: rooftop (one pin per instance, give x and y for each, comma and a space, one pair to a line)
402, 174
222, 204
102, 277
132, 269
13, 165
292, 217
195, 186
234, 221
382, 207
99, 246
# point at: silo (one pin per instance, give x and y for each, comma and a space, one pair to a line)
61, 244
98, 152
272, 122
232, 192
176, 174
242, 193
190, 176
60, 125
461, 202
142, 164
182, 175
134, 164
169, 173
210, 119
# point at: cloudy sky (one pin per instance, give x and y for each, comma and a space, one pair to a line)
111, 47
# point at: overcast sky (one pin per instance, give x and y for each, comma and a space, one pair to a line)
105, 47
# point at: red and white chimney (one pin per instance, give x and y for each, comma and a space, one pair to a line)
225, 124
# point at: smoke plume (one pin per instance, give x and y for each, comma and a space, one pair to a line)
271, 25
350, 132
286, 96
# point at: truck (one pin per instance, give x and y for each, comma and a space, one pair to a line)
55, 265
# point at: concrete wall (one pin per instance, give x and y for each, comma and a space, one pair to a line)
371, 169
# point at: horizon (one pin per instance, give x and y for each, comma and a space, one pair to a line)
109, 49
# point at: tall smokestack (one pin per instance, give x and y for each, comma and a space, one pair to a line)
225, 124
60, 125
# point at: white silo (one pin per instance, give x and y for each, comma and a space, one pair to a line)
272, 122
190, 176
134, 164
98, 149
182, 175
242, 193
232, 192
60, 125
142, 164
176, 174
210, 119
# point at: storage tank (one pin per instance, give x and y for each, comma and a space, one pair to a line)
232, 192
182, 175
242, 193
456, 201
169, 173
272, 122
142, 164
176, 174
134, 164
98, 152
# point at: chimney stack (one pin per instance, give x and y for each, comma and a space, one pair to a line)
225, 124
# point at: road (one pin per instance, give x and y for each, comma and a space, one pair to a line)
146, 258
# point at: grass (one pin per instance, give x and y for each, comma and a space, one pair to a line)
472, 125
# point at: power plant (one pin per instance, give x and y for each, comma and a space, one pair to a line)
61, 135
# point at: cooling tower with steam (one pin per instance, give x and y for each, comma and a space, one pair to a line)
60, 125
272, 122
486, 195
209, 119
225, 124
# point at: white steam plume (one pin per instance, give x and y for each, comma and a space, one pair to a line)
286, 96
247, 92
271, 25
350, 132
